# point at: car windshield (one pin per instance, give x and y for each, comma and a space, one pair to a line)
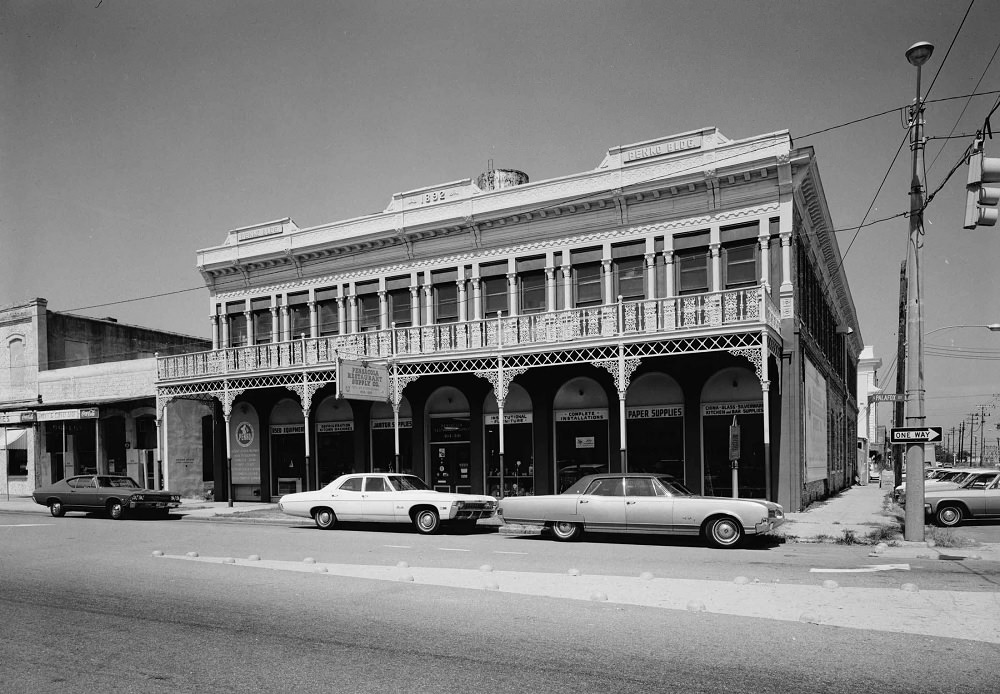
125, 482
407, 483
978, 481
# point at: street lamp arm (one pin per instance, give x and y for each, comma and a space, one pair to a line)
992, 327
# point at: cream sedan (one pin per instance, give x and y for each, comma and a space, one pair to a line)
387, 498
642, 503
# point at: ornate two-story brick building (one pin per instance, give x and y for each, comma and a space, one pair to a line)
522, 334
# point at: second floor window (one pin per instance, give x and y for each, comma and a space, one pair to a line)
587, 278
446, 302
369, 312
400, 304
532, 291
630, 278
692, 272
262, 324
494, 290
237, 330
740, 265
328, 316
298, 317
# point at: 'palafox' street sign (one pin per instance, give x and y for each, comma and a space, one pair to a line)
914, 434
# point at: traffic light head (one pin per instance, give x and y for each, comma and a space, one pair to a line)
981, 200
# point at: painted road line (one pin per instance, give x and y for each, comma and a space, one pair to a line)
26, 525
453, 549
399, 546
871, 568
496, 551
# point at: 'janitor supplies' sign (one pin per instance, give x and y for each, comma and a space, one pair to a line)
362, 380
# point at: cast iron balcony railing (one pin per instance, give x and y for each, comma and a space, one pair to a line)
678, 315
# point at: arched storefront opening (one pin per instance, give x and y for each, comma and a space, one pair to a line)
517, 478
580, 418
733, 393
334, 440
288, 448
448, 440
383, 444
654, 425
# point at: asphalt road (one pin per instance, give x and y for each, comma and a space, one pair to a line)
88, 607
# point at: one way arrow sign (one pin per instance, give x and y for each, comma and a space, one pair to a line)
914, 434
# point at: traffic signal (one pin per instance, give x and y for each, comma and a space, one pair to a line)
981, 201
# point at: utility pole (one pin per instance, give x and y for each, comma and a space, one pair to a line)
897, 407
916, 55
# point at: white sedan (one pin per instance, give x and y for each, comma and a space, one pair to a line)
387, 498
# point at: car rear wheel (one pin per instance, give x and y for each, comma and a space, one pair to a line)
56, 509
723, 532
949, 516
325, 518
116, 510
427, 521
564, 531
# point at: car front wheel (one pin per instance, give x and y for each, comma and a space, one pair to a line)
427, 521
723, 532
949, 516
325, 518
565, 532
116, 510
56, 509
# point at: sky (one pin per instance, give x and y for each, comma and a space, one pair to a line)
133, 134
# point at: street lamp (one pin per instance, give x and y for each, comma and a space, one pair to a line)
916, 55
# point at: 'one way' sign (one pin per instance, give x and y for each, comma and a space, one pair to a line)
914, 434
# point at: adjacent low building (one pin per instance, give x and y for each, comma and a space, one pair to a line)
681, 308
78, 395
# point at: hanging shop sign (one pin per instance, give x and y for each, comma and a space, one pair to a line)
728, 409
18, 417
362, 380
596, 414
508, 418
654, 411
584, 441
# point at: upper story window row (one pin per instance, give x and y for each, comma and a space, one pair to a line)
575, 278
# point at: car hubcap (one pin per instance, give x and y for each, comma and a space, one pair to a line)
725, 532
426, 521
323, 517
949, 515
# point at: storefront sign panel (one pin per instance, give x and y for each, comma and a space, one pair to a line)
362, 380
334, 427
654, 411
508, 418
596, 414
404, 423
728, 409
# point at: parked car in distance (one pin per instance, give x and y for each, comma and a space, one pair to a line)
945, 479
387, 498
978, 497
116, 495
642, 504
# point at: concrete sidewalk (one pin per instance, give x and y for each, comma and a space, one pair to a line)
857, 515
